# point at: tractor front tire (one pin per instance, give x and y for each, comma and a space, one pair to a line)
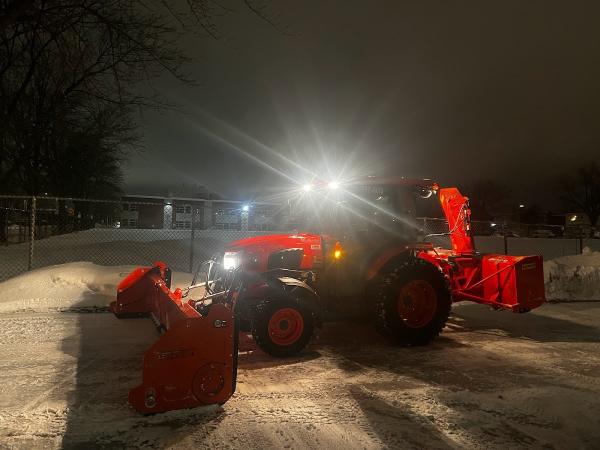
412, 302
282, 327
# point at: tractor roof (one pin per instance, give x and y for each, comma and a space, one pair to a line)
394, 181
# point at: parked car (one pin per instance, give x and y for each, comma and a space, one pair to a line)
507, 233
542, 233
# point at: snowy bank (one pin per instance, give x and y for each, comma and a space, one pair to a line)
65, 286
575, 277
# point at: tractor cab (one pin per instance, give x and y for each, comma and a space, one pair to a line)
371, 210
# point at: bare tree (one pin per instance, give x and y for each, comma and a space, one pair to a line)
61, 59
85, 158
106, 46
486, 198
582, 192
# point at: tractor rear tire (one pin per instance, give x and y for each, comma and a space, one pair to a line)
412, 302
282, 327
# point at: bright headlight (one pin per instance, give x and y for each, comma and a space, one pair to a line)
231, 260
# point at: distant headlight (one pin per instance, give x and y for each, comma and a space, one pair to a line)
231, 260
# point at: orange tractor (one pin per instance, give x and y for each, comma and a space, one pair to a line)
365, 258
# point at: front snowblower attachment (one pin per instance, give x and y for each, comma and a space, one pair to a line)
194, 361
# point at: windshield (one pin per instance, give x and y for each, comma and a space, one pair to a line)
386, 209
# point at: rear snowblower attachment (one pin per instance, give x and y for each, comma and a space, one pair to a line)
514, 283
194, 361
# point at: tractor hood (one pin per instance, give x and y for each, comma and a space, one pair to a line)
257, 250
283, 240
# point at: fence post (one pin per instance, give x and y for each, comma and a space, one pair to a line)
505, 238
194, 213
4, 224
31, 233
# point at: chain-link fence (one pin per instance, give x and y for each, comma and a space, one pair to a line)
43, 231
514, 238
510, 229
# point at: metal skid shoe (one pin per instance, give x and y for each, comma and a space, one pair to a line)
194, 361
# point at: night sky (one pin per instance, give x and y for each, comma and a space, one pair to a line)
455, 91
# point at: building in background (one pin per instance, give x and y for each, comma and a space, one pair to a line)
154, 212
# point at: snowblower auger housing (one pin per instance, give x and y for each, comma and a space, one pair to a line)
194, 361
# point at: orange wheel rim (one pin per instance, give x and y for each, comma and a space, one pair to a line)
416, 304
286, 326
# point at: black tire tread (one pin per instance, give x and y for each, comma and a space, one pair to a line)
387, 320
260, 327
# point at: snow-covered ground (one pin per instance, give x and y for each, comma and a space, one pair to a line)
493, 379
66, 287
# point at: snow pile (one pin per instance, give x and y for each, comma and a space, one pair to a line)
575, 277
64, 287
